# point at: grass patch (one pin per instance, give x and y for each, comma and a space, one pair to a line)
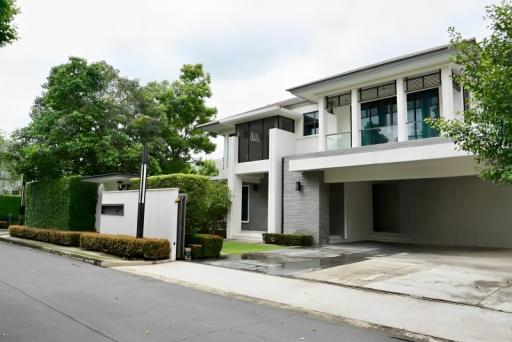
237, 247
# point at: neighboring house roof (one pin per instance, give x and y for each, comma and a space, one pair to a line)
227, 124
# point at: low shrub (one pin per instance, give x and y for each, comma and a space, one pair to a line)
211, 245
4, 224
126, 246
58, 237
288, 239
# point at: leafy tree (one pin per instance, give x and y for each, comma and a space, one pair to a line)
172, 113
89, 120
206, 167
79, 124
8, 11
487, 74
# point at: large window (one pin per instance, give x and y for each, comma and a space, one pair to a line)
310, 123
245, 203
253, 137
422, 105
378, 122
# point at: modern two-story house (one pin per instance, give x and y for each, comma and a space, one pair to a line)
351, 158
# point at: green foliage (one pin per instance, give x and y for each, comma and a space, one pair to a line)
288, 239
487, 74
65, 203
211, 245
207, 200
58, 237
9, 204
89, 120
126, 246
8, 11
205, 167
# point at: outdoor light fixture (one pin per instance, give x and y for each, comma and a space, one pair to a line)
142, 191
255, 187
298, 186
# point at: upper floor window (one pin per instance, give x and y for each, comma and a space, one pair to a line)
423, 82
253, 137
422, 105
310, 123
379, 122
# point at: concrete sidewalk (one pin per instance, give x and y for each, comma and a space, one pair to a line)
363, 307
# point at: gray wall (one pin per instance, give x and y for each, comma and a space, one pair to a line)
306, 211
258, 206
456, 211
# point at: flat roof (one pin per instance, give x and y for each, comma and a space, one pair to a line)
376, 66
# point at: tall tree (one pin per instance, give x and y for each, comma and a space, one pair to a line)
487, 74
173, 112
79, 124
89, 120
8, 31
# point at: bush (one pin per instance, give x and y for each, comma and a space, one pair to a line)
65, 203
207, 200
9, 204
126, 246
58, 237
288, 239
211, 245
195, 251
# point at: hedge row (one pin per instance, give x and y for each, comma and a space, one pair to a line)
65, 203
206, 246
126, 246
288, 239
58, 237
9, 204
208, 201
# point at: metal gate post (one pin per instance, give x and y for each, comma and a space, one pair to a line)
181, 225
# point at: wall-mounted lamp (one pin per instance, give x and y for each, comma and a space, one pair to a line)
298, 186
255, 187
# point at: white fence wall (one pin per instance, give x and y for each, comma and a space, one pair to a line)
160, 220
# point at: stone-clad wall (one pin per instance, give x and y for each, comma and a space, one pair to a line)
306, 211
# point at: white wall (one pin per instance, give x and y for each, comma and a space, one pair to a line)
282, 143
160, 220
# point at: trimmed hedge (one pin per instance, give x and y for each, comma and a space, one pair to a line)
9, 204
65, 203
211, 245
126, 246
288, 239
58, 237
208, 200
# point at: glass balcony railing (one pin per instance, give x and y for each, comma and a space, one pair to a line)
338, 141
379, 135
420, 130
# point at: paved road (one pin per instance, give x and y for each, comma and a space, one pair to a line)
45, 297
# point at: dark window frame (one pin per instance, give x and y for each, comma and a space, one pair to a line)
112, 209
247, 219
314, 126
423, 96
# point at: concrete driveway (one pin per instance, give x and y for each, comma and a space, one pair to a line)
473, 276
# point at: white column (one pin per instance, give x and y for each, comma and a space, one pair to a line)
281, 144
234, 218
322, 124
447, 109
401, 107
356, 118
225, 156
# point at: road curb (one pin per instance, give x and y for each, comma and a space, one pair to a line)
90, 259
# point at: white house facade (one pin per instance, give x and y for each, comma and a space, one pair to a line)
350, 158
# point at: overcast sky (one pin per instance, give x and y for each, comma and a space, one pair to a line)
253, 50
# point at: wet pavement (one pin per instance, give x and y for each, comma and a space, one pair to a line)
296, 261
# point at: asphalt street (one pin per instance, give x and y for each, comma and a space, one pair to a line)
44, 297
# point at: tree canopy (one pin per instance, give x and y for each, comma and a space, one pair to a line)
90, 120
8, 31
487, 75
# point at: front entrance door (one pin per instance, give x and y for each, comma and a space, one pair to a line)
336, 212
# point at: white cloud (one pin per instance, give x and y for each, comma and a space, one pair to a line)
255, 49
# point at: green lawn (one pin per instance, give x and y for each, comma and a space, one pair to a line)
237, 247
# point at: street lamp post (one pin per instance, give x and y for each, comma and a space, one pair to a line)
142, 191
